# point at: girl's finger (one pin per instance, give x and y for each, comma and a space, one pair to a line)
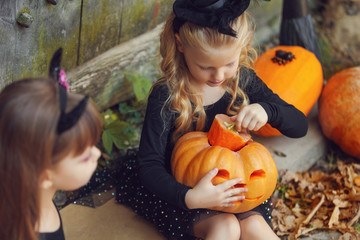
258, 126
227, 205
230, 183
252, 125
246, 122
239, 119
235, 198
210, 175
236, 191
230, 202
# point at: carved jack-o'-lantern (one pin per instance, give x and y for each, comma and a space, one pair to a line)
194, 156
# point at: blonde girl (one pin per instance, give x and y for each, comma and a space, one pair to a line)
207, 69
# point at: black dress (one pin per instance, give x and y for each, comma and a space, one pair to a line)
145, 181
57, 235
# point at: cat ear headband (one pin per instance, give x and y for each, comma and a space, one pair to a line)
215, 14
66, 120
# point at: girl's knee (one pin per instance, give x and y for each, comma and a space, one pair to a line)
222, 226
253, 223
255, 227
228, 223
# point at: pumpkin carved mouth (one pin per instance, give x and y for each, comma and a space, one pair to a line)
249, 199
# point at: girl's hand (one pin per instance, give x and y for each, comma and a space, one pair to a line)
207, 195
251, 117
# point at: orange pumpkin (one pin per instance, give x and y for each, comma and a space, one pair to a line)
339, 111
295, 75
193, 156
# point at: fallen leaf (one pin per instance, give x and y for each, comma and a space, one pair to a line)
357, 180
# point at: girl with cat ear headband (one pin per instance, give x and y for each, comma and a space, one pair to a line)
47, 143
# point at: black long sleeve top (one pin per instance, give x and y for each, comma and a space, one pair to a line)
156, 146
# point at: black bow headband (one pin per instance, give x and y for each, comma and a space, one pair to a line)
215, 14
66, 120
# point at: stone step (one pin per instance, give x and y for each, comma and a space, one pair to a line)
297, 154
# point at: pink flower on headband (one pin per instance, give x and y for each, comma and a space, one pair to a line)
63, 80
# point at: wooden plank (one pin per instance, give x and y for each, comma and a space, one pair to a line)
29, 50
107, 23
103, 77
140, 16
100, 28
7, 35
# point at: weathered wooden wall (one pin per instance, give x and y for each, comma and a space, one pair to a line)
102, 41
84, 28
26, 51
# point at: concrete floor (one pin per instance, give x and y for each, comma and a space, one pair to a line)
110, 221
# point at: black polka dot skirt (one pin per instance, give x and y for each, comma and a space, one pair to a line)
171, 221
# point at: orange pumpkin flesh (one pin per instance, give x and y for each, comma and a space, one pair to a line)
222, 134
339, 111
193, 157
298, 82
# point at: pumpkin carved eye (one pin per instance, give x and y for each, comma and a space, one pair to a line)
257, 174
223, 173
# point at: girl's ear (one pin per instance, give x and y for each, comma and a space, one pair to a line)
179, 44
45, 180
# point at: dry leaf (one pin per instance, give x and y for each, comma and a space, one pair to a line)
357, 180
348, 236
337, 209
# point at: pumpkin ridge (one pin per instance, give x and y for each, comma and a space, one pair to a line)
194, 166
196, 143
189, 165
349, 144
348, 118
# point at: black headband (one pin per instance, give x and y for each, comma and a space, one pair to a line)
66, 120
215, 14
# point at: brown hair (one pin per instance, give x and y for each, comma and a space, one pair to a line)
29, 112
182, 99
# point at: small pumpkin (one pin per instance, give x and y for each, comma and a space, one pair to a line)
194, 156
295, 74
339, 111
